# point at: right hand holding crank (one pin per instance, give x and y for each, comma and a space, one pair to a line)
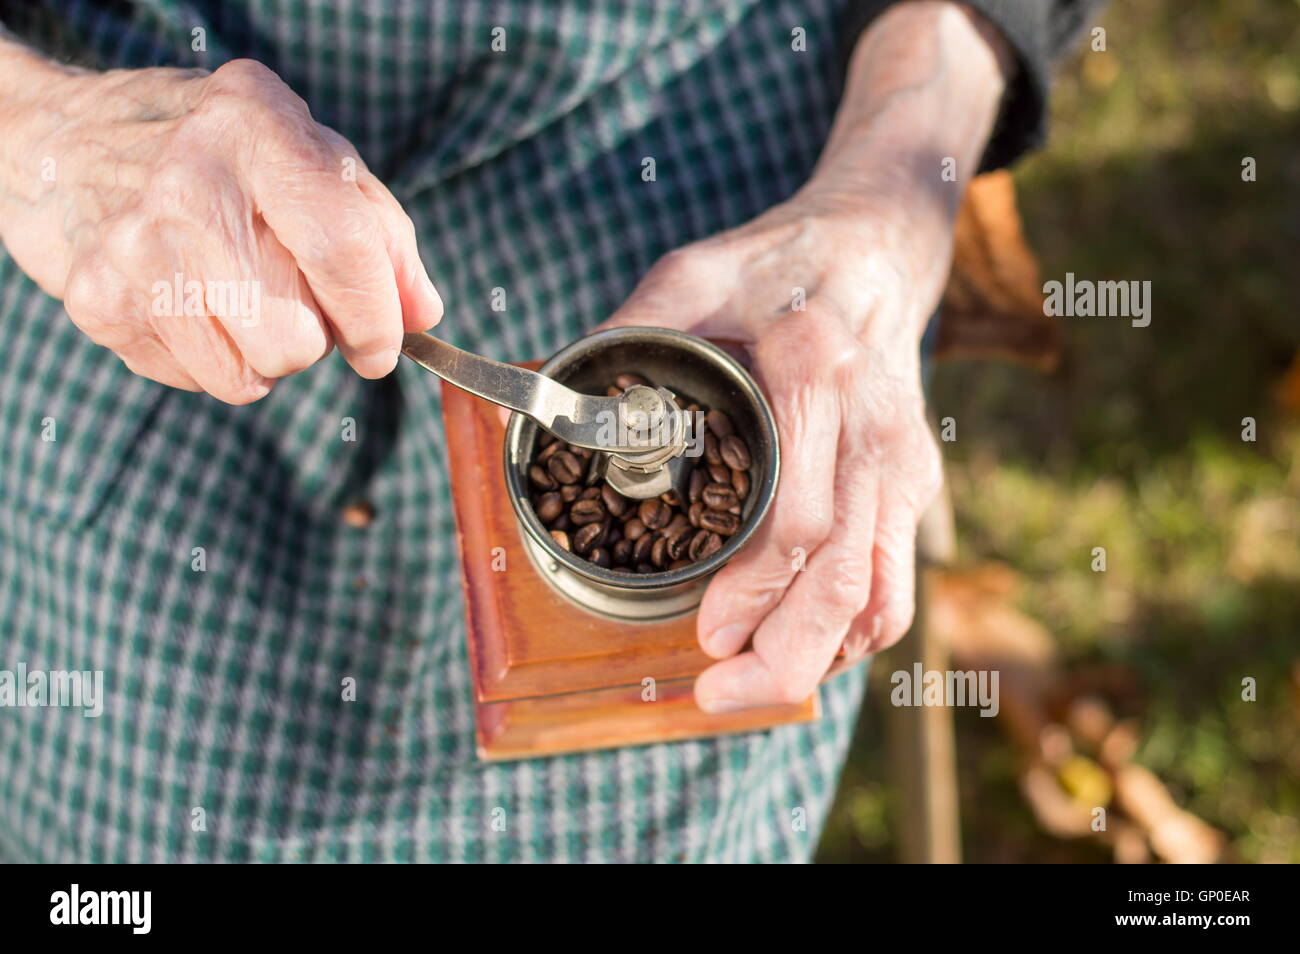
204, 227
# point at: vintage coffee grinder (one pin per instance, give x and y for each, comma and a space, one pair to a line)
567, 655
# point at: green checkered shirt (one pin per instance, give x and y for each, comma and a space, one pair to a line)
522, 171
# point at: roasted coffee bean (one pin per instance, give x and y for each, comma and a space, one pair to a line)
549, 451
720, 424
654, 513
719, 521
540, 478
740, 480
703, 545
549, 506
679, 522
735, 452
698, 480
680, 541
673, 530
712, 455
716, 497
612, 391
564, 467
627, 379
587, 511
641, 550
588, 537
614, 502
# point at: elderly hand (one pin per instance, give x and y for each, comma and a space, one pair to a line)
829, 293
824, 309
205, 228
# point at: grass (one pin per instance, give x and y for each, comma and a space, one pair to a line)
1135, 443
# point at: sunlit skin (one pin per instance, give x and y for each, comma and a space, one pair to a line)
868, 243
226, 177
218, 177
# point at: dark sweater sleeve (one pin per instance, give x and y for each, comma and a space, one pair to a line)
1039, 32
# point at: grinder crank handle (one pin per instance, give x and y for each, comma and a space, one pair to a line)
572, 417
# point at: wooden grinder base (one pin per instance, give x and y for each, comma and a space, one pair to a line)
548, 676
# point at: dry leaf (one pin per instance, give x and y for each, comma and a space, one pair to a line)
993, 305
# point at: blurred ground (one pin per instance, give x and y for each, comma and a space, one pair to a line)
1135, 443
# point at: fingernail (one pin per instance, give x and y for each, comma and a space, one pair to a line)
433, 305
376, 365
721, 706
856, 644
725, 640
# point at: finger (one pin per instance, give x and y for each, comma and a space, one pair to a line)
888, 614
270, 313
797, 641
149, 358
100, 300
178, 316
891, 609
302, 189
808, 425
203, 347
841, 665
335, 236
422, 306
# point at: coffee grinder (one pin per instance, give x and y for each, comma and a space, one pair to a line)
566, 655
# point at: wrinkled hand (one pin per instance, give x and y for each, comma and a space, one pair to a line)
209, 232
832, 564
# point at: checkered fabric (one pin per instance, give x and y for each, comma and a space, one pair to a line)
522, 171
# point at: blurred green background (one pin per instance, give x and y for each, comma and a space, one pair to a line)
1134, 443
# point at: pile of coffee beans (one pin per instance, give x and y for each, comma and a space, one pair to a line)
588, 517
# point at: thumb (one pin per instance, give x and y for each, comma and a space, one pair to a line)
421, 304
651, 308
648, 308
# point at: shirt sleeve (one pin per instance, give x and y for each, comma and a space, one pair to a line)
1039, 33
